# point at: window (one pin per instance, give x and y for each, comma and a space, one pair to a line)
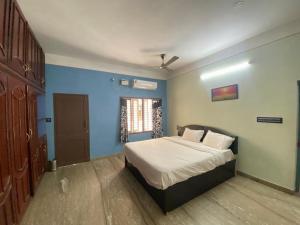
139, 115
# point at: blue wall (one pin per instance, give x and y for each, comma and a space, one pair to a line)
104, 104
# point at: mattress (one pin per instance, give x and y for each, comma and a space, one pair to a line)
166, 161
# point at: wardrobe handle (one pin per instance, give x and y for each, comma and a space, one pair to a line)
30, 132
27, 68
28, 137
2, 87
43, 82
85, 126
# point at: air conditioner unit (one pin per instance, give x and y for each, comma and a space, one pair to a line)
143, 84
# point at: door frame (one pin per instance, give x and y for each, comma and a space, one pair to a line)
87, 122
297, 182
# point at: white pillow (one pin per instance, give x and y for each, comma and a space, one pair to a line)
192, 135
218, 141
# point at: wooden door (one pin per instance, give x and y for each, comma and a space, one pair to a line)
6, 195
34, 145
4, 29
38, 64
42, 68
17, 40
19, 143
71, 128
43, 155
31, 56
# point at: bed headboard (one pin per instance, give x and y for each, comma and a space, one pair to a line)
233, 147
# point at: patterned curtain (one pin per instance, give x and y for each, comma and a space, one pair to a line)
157, 118
123, 121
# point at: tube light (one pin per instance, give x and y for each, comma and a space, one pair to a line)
226, 70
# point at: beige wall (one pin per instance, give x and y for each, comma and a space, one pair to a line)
267, 88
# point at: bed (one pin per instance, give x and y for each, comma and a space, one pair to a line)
174, 171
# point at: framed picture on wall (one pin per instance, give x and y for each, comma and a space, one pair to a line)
225, 93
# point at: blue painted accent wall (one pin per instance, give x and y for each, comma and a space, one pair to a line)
104, 104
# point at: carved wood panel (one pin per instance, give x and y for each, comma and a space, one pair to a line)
31, 56
35, 174
19, 145
42, 69
6, 196
18, 32
4, 29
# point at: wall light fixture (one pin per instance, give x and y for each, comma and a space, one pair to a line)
225, 70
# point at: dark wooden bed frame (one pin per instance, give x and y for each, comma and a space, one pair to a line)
180, 193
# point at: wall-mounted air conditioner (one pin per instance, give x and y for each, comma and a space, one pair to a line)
143, 84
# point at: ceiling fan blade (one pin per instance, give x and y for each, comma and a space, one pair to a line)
173, 59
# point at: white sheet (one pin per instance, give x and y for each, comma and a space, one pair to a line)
166, 161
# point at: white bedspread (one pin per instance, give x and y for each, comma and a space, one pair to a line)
169, 160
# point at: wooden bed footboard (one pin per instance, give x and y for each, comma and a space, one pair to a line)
182, 192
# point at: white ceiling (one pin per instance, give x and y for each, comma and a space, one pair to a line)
134, 32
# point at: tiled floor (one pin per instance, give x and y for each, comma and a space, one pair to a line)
103, 192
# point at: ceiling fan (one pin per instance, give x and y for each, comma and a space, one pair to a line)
165, 65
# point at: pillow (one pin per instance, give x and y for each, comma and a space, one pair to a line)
218, 141
192, 135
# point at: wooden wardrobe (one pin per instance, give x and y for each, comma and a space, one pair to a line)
23, 153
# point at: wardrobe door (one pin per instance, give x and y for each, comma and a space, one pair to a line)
19, 143
34, 145
4, 29
42, 68
6, 196
17, 40
38, 64
44, 155
31, 56
43, 160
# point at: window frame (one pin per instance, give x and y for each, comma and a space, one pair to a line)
131, 114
